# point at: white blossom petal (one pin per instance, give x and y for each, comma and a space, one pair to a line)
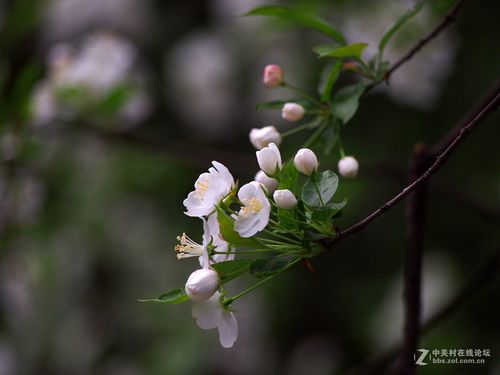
208, 313
228, 329
254, 215
210, 188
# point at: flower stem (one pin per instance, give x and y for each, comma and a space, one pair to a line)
316, 134
282, 237
297, 129
305, 95
230, 300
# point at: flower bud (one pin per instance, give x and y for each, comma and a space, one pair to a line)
260, 138
271, 184
284, 199
202, 284
348, 167
292, 112
306, 161
273, 76
269, 159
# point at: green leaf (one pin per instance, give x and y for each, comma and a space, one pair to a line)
114, 100
300, 17
289, 177
231, 269
408, 15
271, 266
352, 50
326, 86
226, 226
345, 102
329, 211
319, 189
173, 297
329, 138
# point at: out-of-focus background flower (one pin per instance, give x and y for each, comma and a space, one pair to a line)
109, 110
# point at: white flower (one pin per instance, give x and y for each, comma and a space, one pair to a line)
272, 76
211, 314
306, 161
348, 167
104, 61
260, 138
254, 214
210, 188
269, 159
292, 112
284, 199
202, 284
271, 184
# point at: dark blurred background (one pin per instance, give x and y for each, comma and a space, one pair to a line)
92, 183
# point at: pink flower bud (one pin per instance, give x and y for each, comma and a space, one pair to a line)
284, 199
306, 161
260, 138
202, 284
348, 167
271, 184
273, 76
292, 112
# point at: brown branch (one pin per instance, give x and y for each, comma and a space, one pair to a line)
485, 108
415, 222
448, 19
485, 273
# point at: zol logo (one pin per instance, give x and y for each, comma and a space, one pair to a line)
421, 357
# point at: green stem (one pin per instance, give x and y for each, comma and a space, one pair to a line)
297, 129
268, 250
282, 237
316, 134
230, 300
305, 95
341, 149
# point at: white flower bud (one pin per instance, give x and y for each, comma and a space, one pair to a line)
260, 138
269, 159
292, 112
348, 167
202, 284
271, 184
284, 199
306, 161
273, 76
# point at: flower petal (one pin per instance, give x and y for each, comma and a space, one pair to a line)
207, 313
228, 329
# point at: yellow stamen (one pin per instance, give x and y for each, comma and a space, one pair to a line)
201, 187
252, 206
187, 247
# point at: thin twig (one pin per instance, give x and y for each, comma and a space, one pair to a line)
448, 19
485, 108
